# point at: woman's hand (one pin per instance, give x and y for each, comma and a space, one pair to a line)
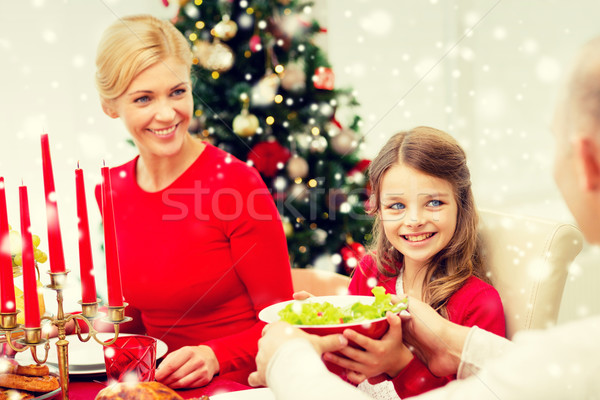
387, 355
188, 367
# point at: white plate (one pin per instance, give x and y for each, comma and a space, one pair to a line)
84, 358
271, 313
250, 394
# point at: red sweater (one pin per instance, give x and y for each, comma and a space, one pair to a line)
202, 257
475, 303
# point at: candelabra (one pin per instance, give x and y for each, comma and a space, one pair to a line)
33, 336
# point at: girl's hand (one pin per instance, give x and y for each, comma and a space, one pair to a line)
387, 355
302, 295
188, 367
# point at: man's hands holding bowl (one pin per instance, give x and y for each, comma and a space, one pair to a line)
276, 334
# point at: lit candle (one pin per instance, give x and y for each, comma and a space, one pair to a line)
86, 265
7, 285
113, 272
55, 247
32, 307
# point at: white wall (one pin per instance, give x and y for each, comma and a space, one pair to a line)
409, 61
488, 72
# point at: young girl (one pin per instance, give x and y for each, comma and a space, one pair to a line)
425, 246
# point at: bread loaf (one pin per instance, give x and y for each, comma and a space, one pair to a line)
29, 383
138, 391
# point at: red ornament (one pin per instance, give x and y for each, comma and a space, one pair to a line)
255, 44
323, 78
352, 254
267, 155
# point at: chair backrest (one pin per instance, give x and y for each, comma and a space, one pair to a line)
528, 260
319, 282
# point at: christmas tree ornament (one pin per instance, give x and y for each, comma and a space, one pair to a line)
297, 167
298, 192
303, 140
332, 129
255, 44
275, 26
326, 109
226, 29
191, 11
263, 93
245, 124
344, 142
323, 78
318, 144
351, 255
293, 78
319, 236
267, 156
288, 228
214, 56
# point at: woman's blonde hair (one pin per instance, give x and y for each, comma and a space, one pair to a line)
437, 154
132, 44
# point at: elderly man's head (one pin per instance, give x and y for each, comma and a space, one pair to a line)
577, 130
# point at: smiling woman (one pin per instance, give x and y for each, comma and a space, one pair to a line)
196, 281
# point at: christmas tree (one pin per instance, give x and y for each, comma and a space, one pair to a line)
264, 92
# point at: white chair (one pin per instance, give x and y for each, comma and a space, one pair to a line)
528, 260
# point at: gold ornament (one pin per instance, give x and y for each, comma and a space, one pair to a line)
318, 144
225, 29
297, 167
293, 78
288, 228
214, 56
245, 124
263, 93
344, 142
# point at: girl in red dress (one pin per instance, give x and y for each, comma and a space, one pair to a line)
425, 245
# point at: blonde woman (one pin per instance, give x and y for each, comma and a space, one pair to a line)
192, 221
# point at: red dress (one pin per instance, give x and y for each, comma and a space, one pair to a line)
475, 303
202, 257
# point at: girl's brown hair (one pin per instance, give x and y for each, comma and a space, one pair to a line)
132, 44
438, 154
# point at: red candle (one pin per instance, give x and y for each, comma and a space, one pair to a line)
32, 307
55, 247
7, 285
113, 272
86, 265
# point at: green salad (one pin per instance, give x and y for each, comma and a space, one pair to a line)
313, 313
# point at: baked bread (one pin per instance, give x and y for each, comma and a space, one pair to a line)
11, 394
138, 391
29, 383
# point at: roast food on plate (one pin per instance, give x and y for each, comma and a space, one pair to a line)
22, 381
138, 391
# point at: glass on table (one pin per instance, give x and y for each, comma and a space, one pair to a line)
131, 359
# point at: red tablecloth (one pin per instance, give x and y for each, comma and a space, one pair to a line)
86, 388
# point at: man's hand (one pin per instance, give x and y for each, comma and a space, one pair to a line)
435, 340
278, 333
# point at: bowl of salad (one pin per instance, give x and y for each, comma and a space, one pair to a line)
326, 315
